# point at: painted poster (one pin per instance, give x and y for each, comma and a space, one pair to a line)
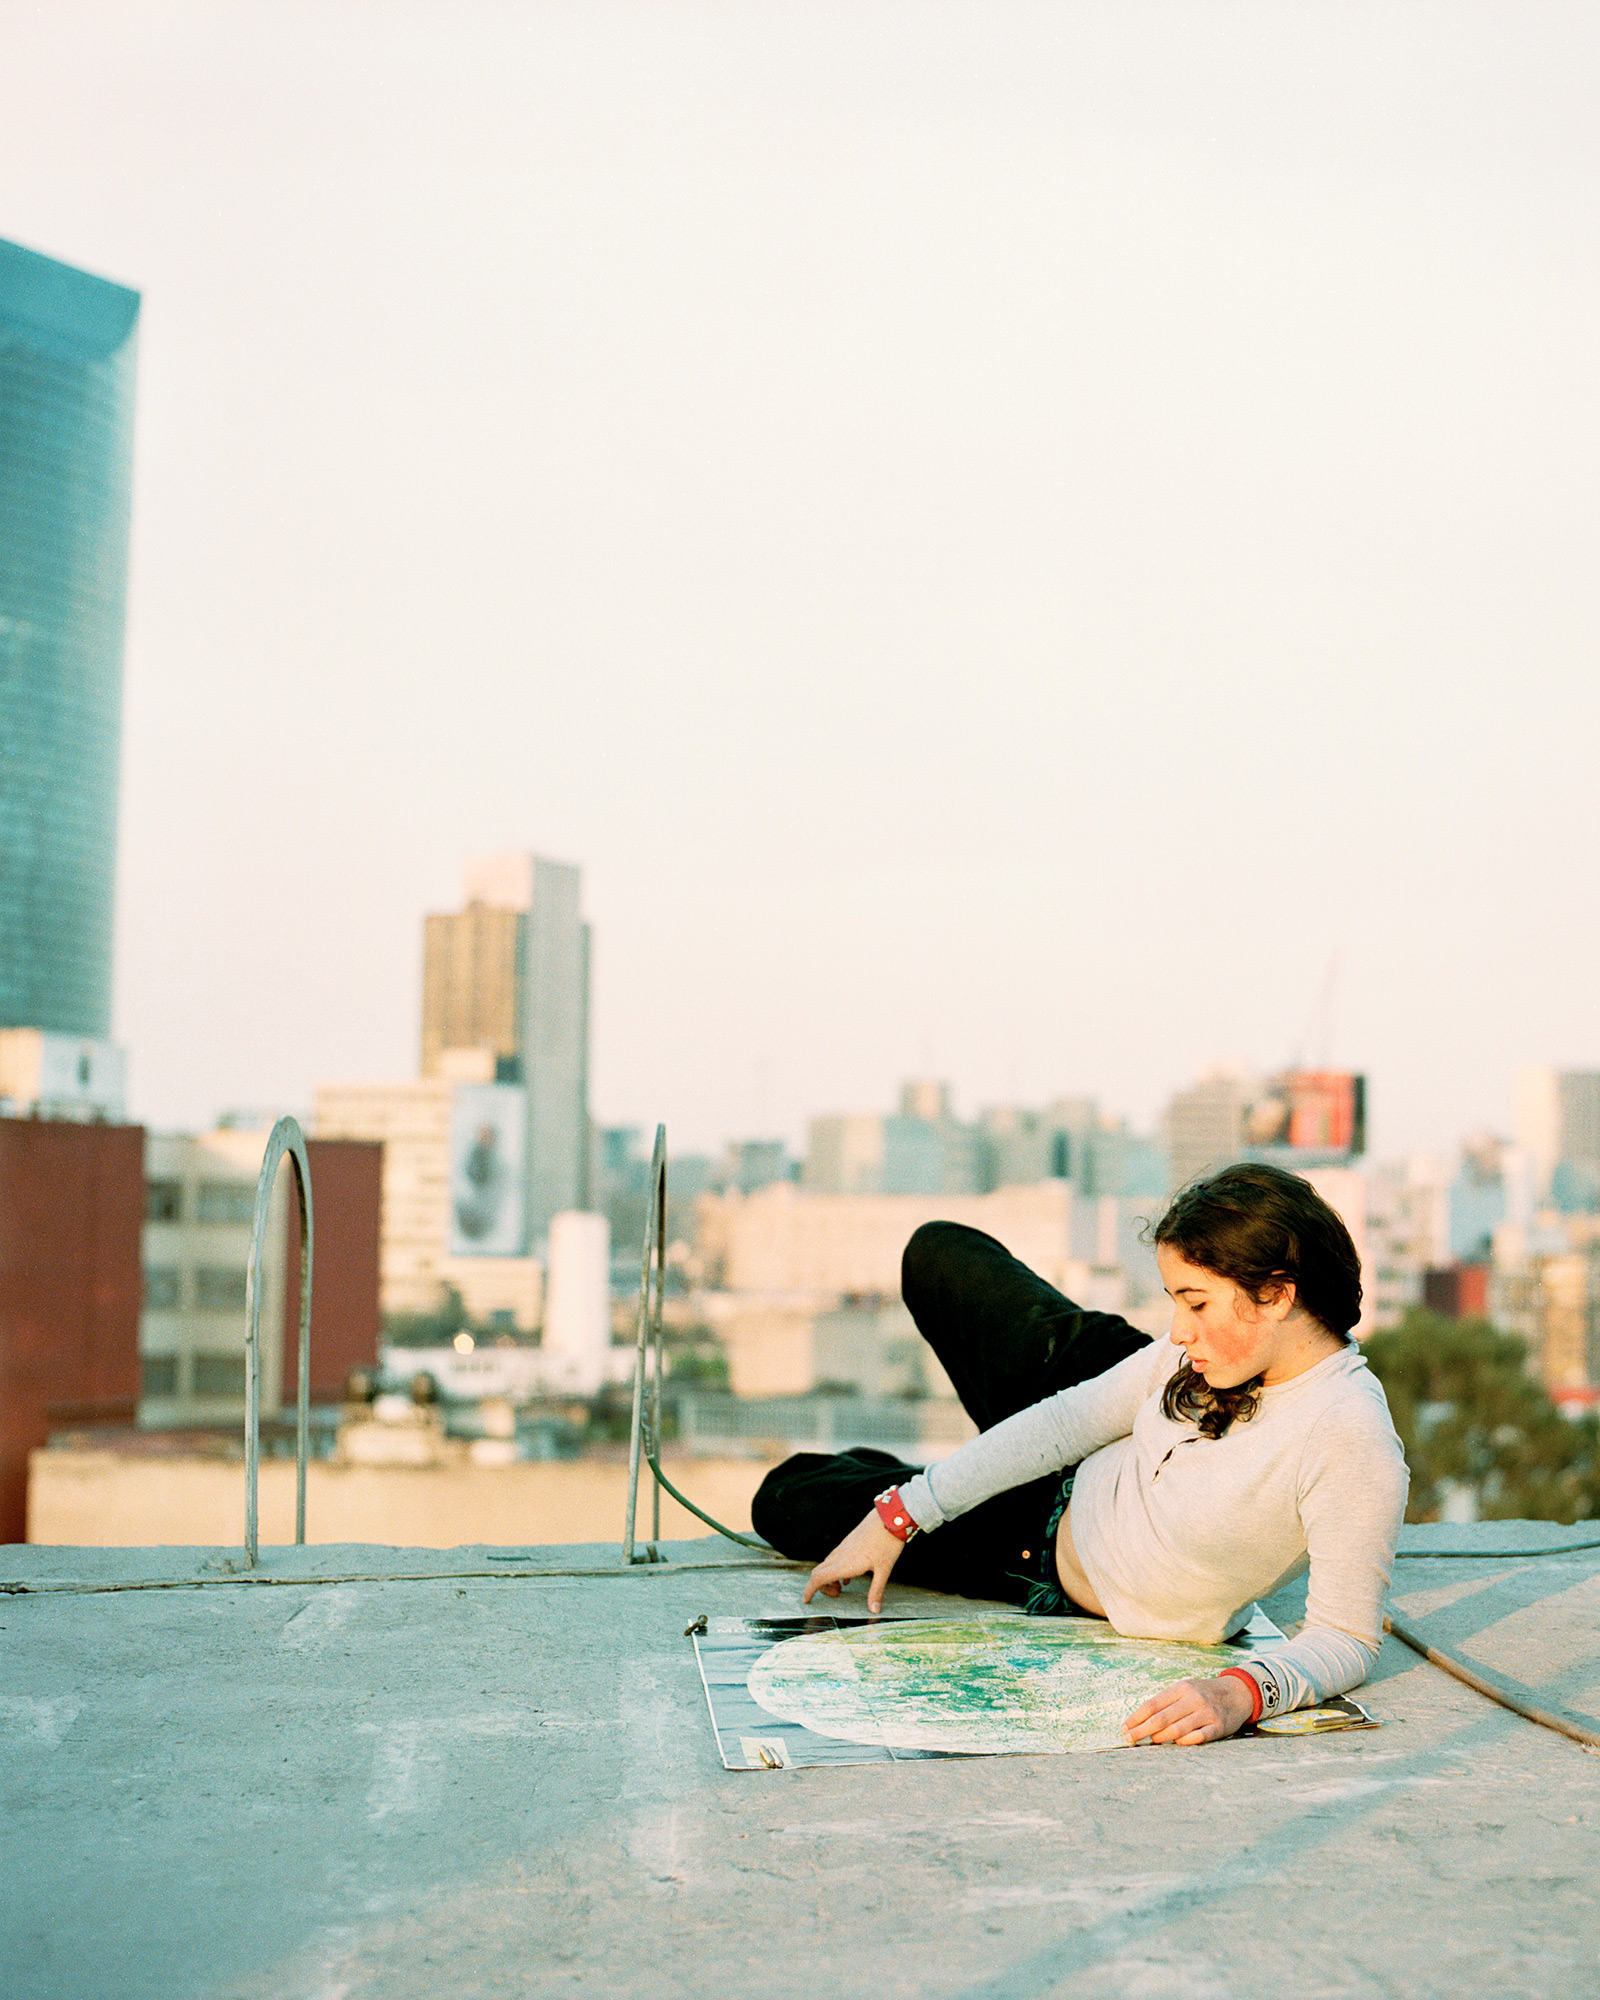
488, 1143
835, 1691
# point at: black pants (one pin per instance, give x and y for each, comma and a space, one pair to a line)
1006, 1340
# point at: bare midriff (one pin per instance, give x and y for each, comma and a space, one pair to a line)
1070, 1570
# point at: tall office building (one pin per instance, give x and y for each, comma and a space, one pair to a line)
1204, 1126
509, 975
1558, 1127
471, 984
67, 344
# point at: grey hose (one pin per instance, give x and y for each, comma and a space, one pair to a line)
1509, 1694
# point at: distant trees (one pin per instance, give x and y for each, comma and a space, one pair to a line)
435, 1329
702, 1366
1470, 1415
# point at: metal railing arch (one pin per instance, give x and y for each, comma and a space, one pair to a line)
286, 1141
644, 1447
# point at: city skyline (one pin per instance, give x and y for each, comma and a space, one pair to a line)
1004, 540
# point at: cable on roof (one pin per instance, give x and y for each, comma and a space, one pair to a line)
1509, 1694
255, 1579
1487, 1555
744, 1541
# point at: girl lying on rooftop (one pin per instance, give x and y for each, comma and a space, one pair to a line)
1163, 1500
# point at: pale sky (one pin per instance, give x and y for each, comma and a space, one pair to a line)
1006, 538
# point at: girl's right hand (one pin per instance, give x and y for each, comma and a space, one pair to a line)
869, 1548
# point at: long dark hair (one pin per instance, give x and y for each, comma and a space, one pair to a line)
1263, 1228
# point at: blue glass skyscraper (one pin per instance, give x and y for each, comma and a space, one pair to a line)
67, 344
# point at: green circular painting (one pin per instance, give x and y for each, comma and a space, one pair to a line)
982, 1686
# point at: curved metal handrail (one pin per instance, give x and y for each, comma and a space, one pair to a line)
286, 1138
652, 1271
645, 1433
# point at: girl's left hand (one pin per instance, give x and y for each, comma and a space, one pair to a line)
869, 1550
1190, 1712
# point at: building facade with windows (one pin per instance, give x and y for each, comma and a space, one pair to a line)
200, 1196
1558, 1127
410, 1124
69, 1289
507, 978
199, 1208
67, 350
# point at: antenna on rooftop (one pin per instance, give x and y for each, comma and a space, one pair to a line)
1315, 1049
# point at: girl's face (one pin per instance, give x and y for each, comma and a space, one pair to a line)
1228, 1338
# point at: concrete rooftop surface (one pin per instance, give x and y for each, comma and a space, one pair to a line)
395, 1772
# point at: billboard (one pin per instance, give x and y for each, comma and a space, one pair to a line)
1308, 1117
488, 1170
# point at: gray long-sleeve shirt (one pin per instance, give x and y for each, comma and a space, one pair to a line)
1179, 1534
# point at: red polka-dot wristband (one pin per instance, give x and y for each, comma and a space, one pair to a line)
893, 1513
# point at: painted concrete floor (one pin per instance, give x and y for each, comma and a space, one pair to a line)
393, 1772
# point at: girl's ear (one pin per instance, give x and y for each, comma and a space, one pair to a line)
1281, 1303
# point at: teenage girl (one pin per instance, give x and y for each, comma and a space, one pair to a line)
1114, 1480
